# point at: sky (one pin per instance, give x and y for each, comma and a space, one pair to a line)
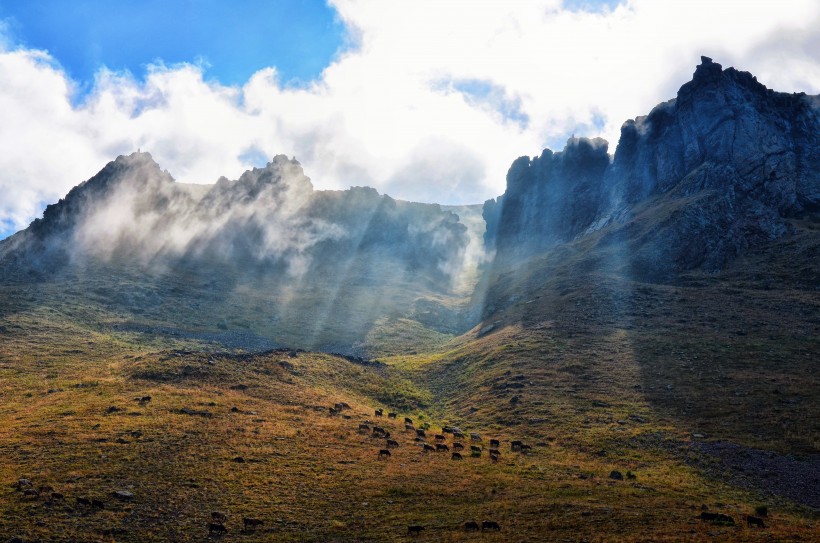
425, 100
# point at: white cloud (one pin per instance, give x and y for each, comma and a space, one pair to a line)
403, 110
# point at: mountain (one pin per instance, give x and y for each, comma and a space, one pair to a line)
721, 168
318, 267
636, 337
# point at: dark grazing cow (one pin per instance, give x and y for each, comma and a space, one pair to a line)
384, 453
32, 493
83, 501
379, 412
471, 526
525, 448
717, 518
457, 446
414, 530
378, 431
446, 430
515, 445
490, 525
440, 437
475, 437
391, 415
408, 427
475, 448
408, 420
219, 517
441, 447
428, 448
421, 433
333, 411
57, 497
364, 427
251, 523
458, 434
754, 521
392, 443
418, 439
494, 444
494, 457
216, 528
97, 504
457, 456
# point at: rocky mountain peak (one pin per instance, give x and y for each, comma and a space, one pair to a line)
737, 158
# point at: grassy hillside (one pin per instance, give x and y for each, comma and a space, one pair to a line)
585, 390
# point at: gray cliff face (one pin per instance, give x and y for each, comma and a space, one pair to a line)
549, 199
695, 183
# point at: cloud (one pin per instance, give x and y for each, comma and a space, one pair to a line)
432, 103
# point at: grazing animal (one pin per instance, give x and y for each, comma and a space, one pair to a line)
494, 444
384, 453
421, 433
386, 435
458, 434
23, 483
378, 431
219, 517
446, 430
392, 443
414, 530
490, 525
475, 437
475, 448
428, 448
494, 457
333, 411
515, 445
379, 412
419, 440
457, 456
251, 523
391, 415
440, 437
57, 497
408, 427
718, 518
754, 521
408, 420
97, 504
524, 448
457, 446
84, 501
471, 526
442, 447
215, 527
364, 427
31, 493
341, 406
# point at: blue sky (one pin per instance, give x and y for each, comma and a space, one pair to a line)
232, 39
426, 100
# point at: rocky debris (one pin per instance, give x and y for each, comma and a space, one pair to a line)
195, 412
796, 478
123, 495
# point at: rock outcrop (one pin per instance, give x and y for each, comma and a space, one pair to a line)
703, 177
